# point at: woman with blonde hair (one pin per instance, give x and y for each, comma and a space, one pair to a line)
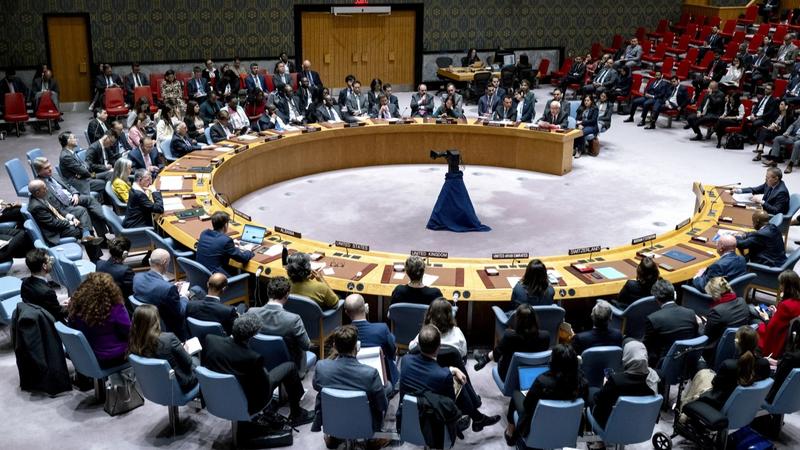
120, 183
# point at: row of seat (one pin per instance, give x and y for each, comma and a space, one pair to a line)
15, 111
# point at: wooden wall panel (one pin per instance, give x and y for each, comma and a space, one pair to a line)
69, 57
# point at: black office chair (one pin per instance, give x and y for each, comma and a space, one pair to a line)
443, 62
479, 83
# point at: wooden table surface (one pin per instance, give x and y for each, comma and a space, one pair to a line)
461, 73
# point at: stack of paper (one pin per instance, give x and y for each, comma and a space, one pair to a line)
373, 357
171, 183
173, 204
428, 280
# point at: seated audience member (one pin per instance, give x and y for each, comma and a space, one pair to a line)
152, 287
773, 195
210, 108
708, 112
587, 122
419, 372
716, 69
75, 170
729, 265
137, 131
146, 157
329, 112
635, 380
792, 95
761, 70
773, 332
357, 103
221, 128
383, 109
198, 87
786, 56
56, 222
97, 309
605, 110
788, 361
165, 124
142, 106
347, 91
791, 137
181, 142
309, 283
149, 341
115, 264
18, 243
46, 84
554, 117
575, 75
500, 90
231, 355
647, 274
210, 73
772, 131
449, 108
471, 59
106, 79
605, 79
524, 337
632, 56
534, 288
489, 102
733, 115
422, 103
676, 98
371, 334
36, 289
97, 127
622, 85
136, 78
733, 75
305, 100
195, 125
281, 77
655, 93
229, 83
505, 111
458, 99
528, 101
558, 97
239, 122
728, 311
119, 183
288, 108
345, 372
215, 248
765, 245
123, 145
440, 315
210, 308
313, 77
255, 107
270, 120
563, 381
172, 92
415, 290
143, 201
600, 334
387, 90
670, 323
11, 83
101, 156
276, 321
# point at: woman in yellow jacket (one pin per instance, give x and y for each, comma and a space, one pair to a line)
120, 183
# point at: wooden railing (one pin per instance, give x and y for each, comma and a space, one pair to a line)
703, 7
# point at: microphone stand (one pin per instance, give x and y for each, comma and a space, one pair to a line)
227, 203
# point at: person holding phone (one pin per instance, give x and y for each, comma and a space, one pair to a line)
773, 332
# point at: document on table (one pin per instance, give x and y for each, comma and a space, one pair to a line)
742, 198
399, 276
247, 137
328, 271
512, 281
316, 265
275, 250
609, 273
174, 203
428, 280
553, 275
721, 233
171, 183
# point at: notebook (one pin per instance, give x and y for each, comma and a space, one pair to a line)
679, 256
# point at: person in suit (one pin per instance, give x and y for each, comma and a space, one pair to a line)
97, 127
276, 321
143, 201
729, 265
449, 109
732, 117
575, 74
215, 248
11, 83
347, 373
558, 97
314, 80
36, 289
101, 156
115, 266
534, 287
181, 143
103, 81
791, 135
281, 77
45, 84
305, 99
420, 372
330, 112
647, 274
713, 43
761, 70
554, 117
774, 195
231, 355
715, 71
670, 323
787, 53
56, 222
152, 287
656, 91
254, 81
773, 130
422, 103
676, 98
727, 311
210, 108
198, 87
415, 290
600, 334
764, 111
283, 58
505, 111
525, 102
356, 105
587, 122
373, 334
134, 79
221, 128
146, 157
287, 107
632, 56
488, 103
765, 245
210, 73
383, 109
387, 90
458, 98
605, 79
524, 337
210, 308
347, 91
270, 120
708, 112
74, 169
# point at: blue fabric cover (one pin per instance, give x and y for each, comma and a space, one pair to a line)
453, 210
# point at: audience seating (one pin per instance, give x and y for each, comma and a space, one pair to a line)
275, 352
47, 111
550, 318
15, 110
680, 362
616, 44
7, 307
630, 322
166, 149
541, 72
631, 421
787, 399
120, 207
140, 241
202, 328
147, 92
555, 424
18, 177
500, 322
406, 320
519, 360
156, 379
726, 347
114, 102
557, 75
224, 398
410, 431
198, 275
73, 272
595, 360
168, 244
9, 287
356, 424
767, 277
794, 206
319, 324
701, 302
33, 154
68, 246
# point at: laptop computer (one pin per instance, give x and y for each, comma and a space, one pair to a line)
252, 236
527, 375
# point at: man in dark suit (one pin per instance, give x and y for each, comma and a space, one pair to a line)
231, 355
56, 222
152, 287
101, 156
283, 58
314, 81
11, 84
655, 92
115, 264
488, 103
732, 313
74, 170
669, 324
210, 308
210, 73
676, 98
774, 193
344, 93
347, 373
255, 81
143, 201
215, 248
123, 146
45, 84
221, 128
604, 79
181, 143
729, 265
287, 107
506, 110
133, 80
36, 289
708, 112
146, 156
576, 74
305, 99
558, 97
97, 127
420, 372
276, 321
105, 80
528, 100
210, 108
600, 334
383, 109
68, 198
765, 245
198, 88
422, 102
554, 117
328, 112
762, 70
373, 334
714, 42
764, 111
357, 104
716, 69
281, 77
270, 120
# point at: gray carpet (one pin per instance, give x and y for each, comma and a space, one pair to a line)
647, 171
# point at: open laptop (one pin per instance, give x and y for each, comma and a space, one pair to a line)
527, 375
252, 237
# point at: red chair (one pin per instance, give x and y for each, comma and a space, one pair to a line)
663, 25
145, 91
675, 113
668, 38
749, 18
636, 83
597, 50
704, 63
556, 76
691, 54
242, 82
666, 67
748, 107
682, 23
738, 37
114, 102
155, 85
641, 34
294, 81
682, 72
730, 52
693, 107
541, 72
763, 30
779, 87
681, 48
780, 33
270, 84
616, 44
15, 110
755, 43
728, 29
701, 39
47, 110
691, 30
655, 57
642, 89
713, 21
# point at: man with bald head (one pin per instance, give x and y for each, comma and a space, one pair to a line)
314, 81
154, 288
765, 245
211, 308
729, 265
372, 334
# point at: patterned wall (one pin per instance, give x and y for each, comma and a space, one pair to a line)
158, 30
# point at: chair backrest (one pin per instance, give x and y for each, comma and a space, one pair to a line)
155, 84
726, 347
156, 379
444, 61
79, 351
666, 66
15, 104
272, 348
555, 424
70, 272
356, 423
521, 360
308, 310
573, 108
787, 399
406, 320
114, 221
410, 431
595, 360
33, 154
632, 419
222, 394
166, 149
208, 135
7, 308
201, 328
544, 66
34, 232
729, 27
635, 314
740, 283
549, 318
135, 302
195, 272
46, 106
776, 220
119, 205
681, 359
744, 403
114, 98
143, 91
18, 177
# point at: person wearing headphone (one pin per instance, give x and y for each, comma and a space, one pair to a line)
115, 264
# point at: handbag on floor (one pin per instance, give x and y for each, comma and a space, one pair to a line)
594, 147
121, 393
735, 142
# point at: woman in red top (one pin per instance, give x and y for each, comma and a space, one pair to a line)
773, 332
256, 105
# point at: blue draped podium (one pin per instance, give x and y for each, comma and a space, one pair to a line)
453, 210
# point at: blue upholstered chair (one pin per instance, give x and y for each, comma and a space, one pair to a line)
406, 320
9, 287
700, 302
555, 424
275, 352
157, 381
7, 308
33, 154
166, 150
168, 244
630, 322
767, 277
19, 178
741, 407
224, 398
794, 206
595, 360
501, 319
135, 302
680, 362
410, 431
518, 361
74, 272
550, 318
202, 328
67, 246
631, 421
319, 324
140, 241
119, 206
198, 275
346, 415
787, 399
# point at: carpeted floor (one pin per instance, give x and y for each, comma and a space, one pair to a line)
641, 178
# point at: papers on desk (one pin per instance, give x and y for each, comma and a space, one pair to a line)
328, 271
290, 128
512, 281
249, 246
174, 203
742, 198
373, 357
428, 280
609, 273
392, 119
399, 276
247, 137
274, 250
171, 183
361, 118
500, 122
553, 275
721, 233
316, 265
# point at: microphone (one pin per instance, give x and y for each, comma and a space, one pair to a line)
346, 250
456, 296
227, 203
403, 114
259, 271
723, 186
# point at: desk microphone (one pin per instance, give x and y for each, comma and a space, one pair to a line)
456, 296
601, 249
403, 114
724, 186
346, 250
228, 204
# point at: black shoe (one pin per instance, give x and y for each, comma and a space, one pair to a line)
628, 120
640, 124
708, 134
461, 426
92, 240
511, 440
697, 137
483, 422
719, 144
480, 361
687, 126
757, 157
302, 417
652, 126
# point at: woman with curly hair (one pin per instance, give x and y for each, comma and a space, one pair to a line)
97, 309
440, 315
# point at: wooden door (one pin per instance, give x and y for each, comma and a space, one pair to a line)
365, 45
68, 45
